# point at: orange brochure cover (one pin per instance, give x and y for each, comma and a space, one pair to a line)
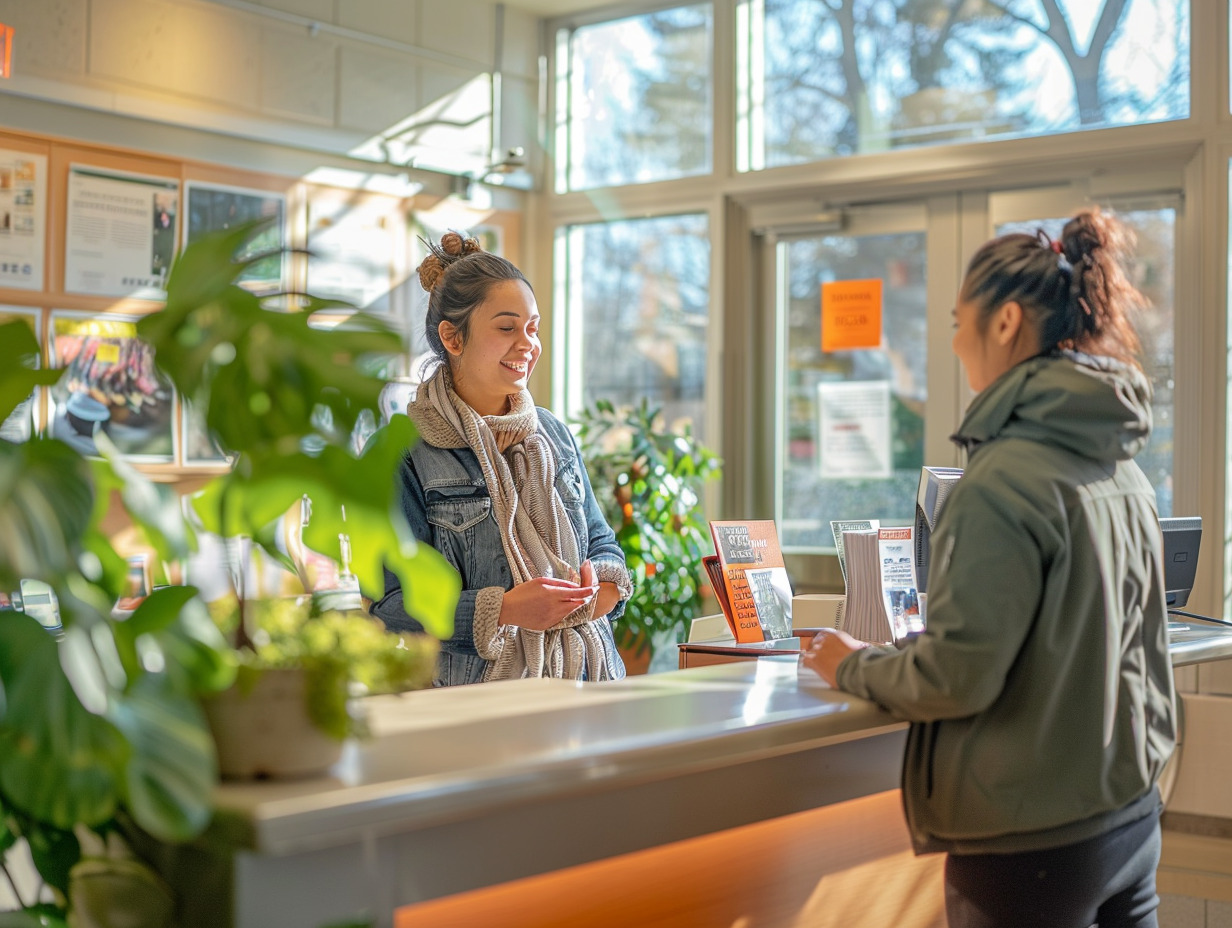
744, 547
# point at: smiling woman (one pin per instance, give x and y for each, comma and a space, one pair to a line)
497, 485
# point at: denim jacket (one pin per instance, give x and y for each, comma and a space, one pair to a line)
446, 501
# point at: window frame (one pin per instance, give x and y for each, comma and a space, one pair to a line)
1197, 148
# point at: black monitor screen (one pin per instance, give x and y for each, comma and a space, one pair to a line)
934, 489
1182, 537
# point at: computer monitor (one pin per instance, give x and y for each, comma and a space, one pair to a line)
935, 486
1182, 538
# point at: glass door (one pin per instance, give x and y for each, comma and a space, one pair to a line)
855, 419
859, 308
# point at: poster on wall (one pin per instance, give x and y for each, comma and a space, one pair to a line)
121, 233
110, 384
23, 215
214, 208
22, 423
854, 429
353, 245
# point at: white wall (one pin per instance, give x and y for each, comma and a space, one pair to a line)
323, 75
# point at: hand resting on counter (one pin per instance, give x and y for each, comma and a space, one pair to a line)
827, 650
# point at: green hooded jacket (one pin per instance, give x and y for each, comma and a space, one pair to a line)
1041, 691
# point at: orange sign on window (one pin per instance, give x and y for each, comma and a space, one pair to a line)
6, 50
850, 315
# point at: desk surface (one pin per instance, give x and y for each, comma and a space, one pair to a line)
1188, 643
450, 754
458, 753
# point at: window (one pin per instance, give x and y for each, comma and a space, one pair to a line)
818, 80
634, 99
635, 300
1152, 272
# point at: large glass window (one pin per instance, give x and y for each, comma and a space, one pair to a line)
634, 100
822, 79
852, 436
1152, 271
636, 303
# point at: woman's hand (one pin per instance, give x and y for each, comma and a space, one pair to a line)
543, 602
608, 595
827, 651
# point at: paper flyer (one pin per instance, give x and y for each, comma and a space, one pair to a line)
23, 214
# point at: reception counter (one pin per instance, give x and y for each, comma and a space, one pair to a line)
468, 787
472, 787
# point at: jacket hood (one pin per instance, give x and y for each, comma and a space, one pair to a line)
1097, 407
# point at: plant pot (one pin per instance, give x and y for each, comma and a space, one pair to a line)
264, 730
118, 894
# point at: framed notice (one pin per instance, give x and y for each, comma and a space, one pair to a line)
110, 384
22, 423
23, 219
121, 233
214, 208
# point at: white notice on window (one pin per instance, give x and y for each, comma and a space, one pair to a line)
854, 428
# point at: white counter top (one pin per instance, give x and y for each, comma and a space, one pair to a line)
443, 755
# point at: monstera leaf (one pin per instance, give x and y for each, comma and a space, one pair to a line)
59, 762
261, 375
350, 496
46, 501
19, 352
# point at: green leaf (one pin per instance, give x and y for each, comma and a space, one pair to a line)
19, 373
54, 852
172, 629
38, 917
170, 777
154, 508
8, 837
58, 762
46, 498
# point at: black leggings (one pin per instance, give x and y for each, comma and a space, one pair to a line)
1107, 881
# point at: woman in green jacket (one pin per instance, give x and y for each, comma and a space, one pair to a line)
1040, 693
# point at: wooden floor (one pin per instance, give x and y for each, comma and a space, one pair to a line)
1195, 873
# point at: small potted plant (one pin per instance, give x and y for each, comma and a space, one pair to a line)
649, 480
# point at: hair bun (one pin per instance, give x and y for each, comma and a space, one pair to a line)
430, 272
455, 246
452, 247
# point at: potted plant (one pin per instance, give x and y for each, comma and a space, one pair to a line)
283, 398
649, 479
100, 727
104, 747
290, 707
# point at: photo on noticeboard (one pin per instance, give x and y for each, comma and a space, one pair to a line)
110, 384
217, 208
22, 423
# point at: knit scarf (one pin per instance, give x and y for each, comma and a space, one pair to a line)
519, 468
